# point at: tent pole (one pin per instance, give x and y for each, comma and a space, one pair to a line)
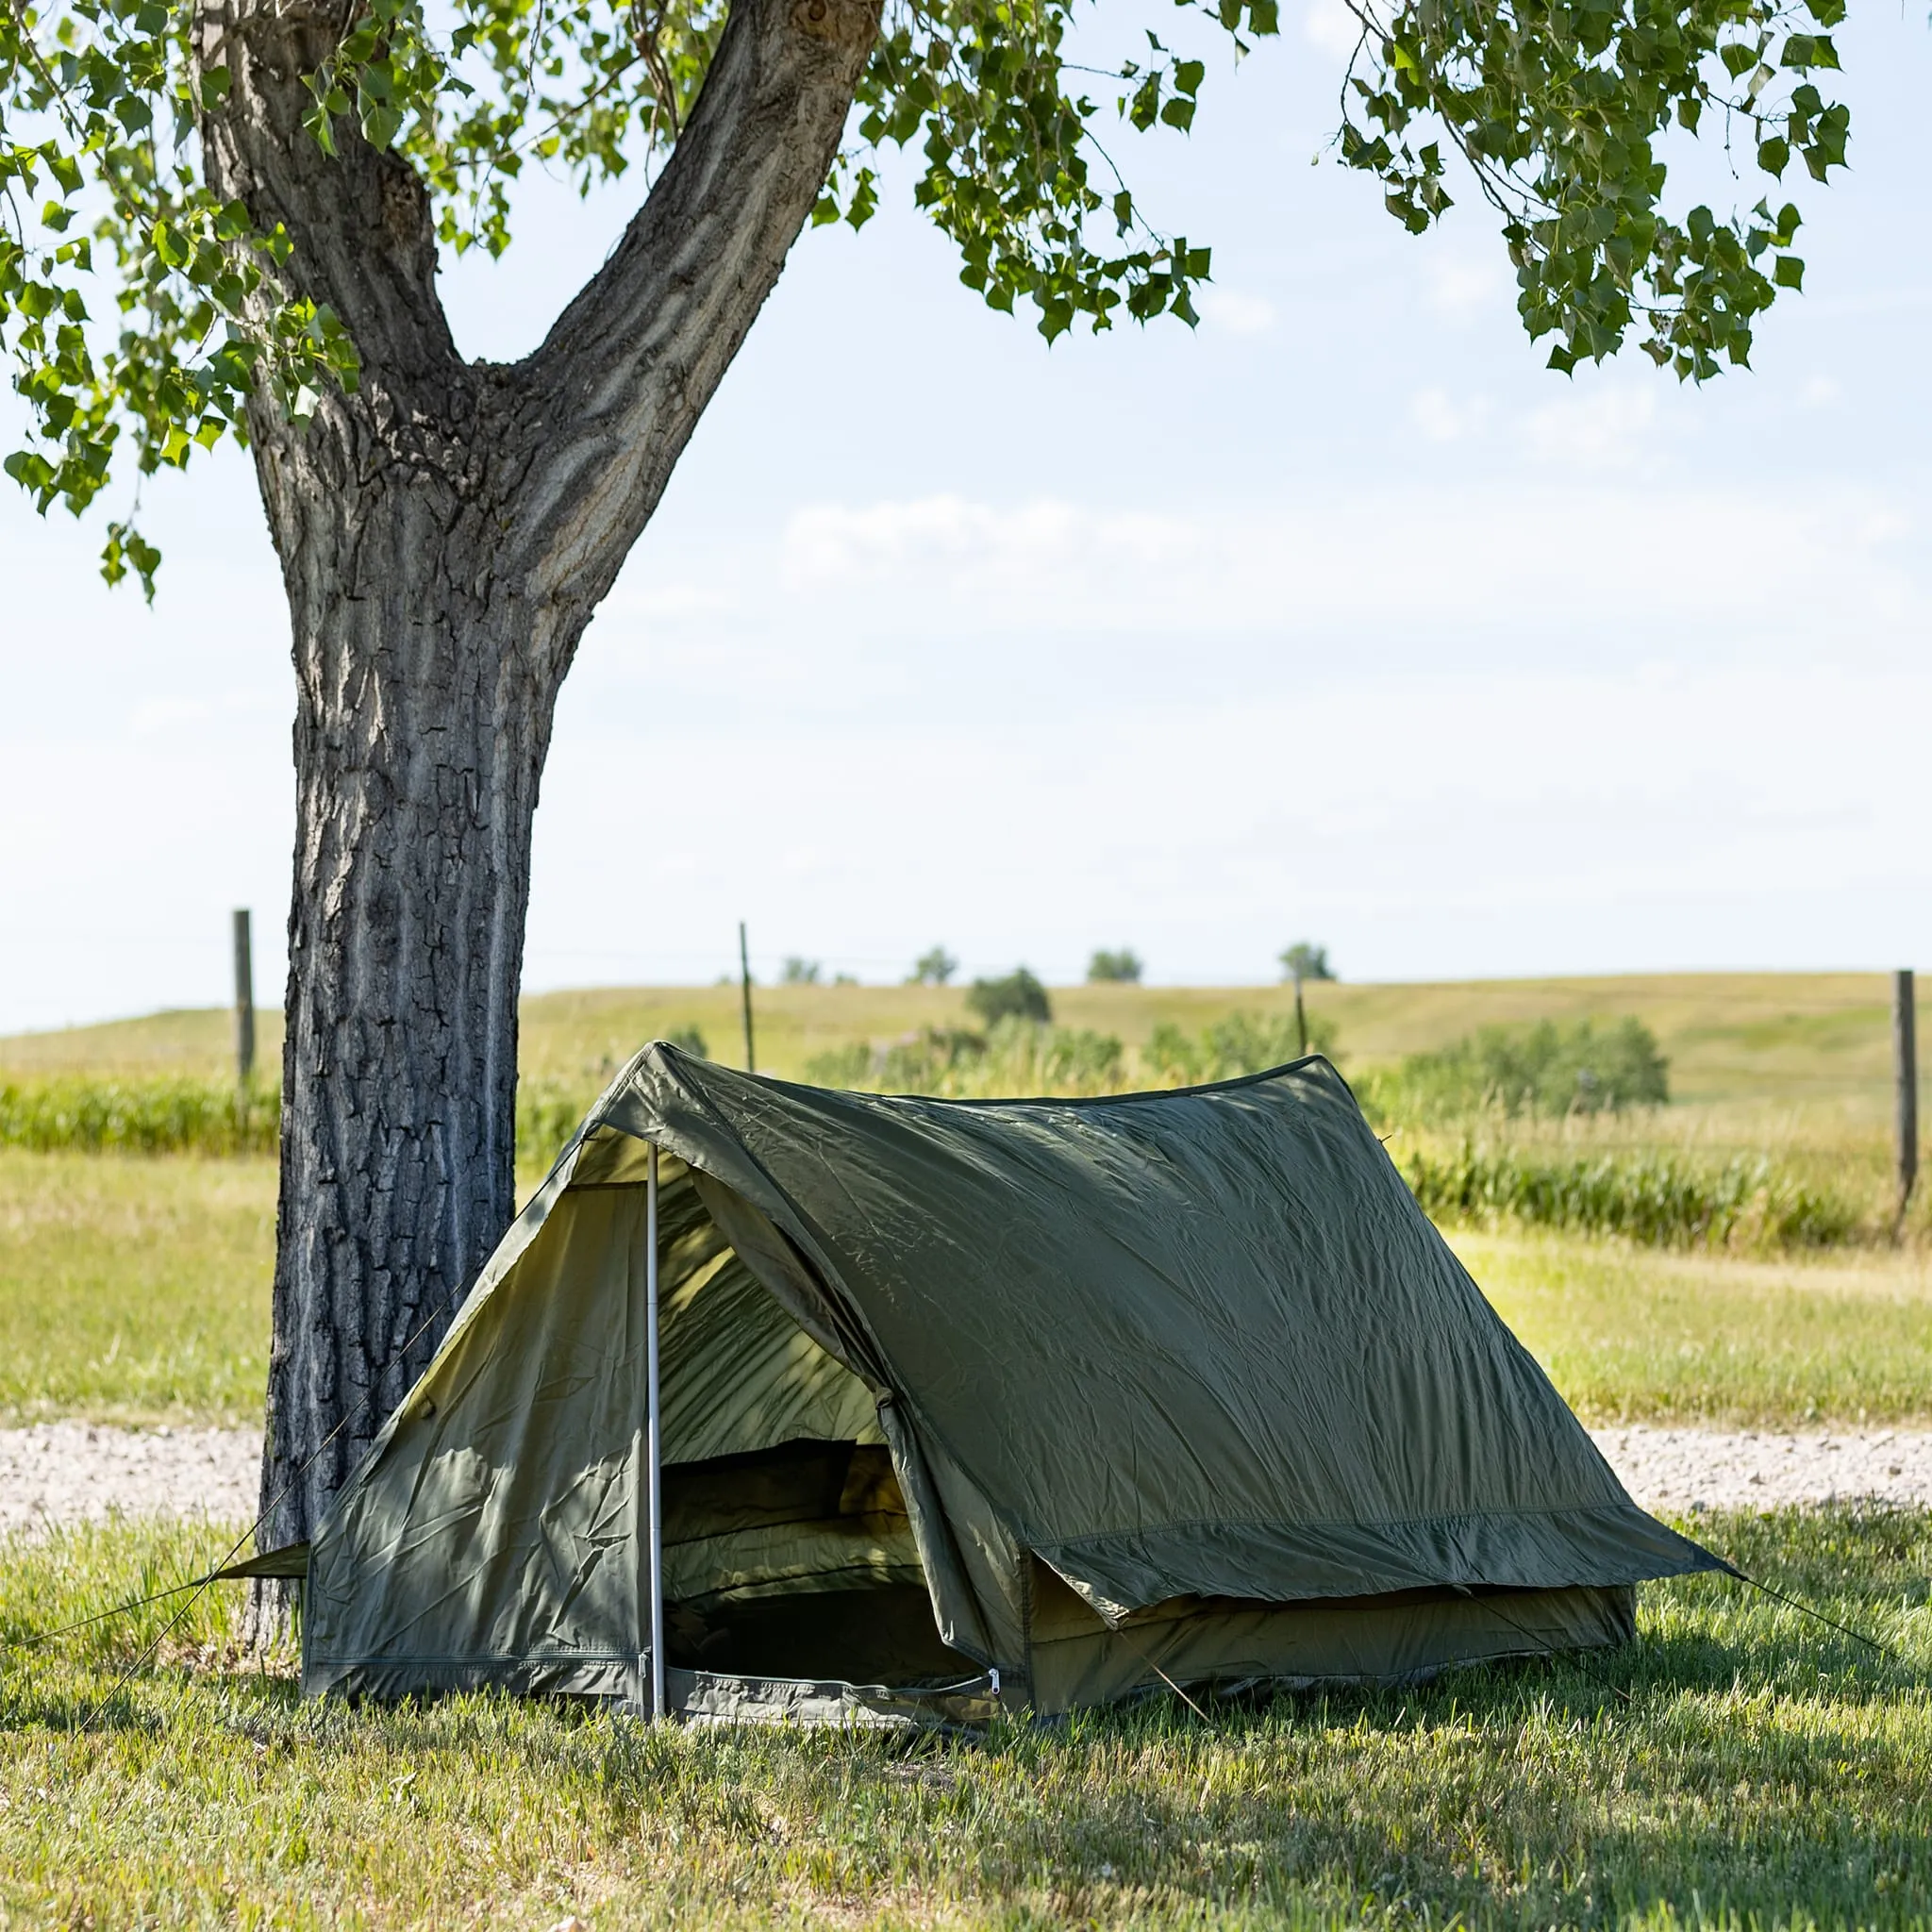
653, 1443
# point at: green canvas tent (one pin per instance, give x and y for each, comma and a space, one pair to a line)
1033, 1404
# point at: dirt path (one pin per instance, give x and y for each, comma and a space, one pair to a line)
63, 1471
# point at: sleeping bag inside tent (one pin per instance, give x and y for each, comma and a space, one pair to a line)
1033, 1404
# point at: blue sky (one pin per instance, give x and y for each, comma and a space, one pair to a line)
1339, 618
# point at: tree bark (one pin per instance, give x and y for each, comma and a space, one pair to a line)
446, 534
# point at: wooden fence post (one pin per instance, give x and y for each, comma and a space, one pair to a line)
745, 989
1904, 1061
245, 1000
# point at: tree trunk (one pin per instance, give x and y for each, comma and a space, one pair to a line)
445, 532
421, 731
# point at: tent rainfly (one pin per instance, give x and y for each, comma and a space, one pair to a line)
1021, 1404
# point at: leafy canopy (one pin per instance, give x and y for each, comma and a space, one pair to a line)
1560, 108
1306, 961
138, 313
1115, 966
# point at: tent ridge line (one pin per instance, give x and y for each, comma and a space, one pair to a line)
1058, 1102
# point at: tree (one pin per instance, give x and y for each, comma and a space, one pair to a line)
1018, 996
933, 968
254, 194
1120, 968
1306, 961
799, 972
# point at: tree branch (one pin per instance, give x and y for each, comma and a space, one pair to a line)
612, 397
361, 220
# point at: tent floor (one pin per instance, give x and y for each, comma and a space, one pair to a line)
871, 1636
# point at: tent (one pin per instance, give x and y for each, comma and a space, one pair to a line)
782, 1400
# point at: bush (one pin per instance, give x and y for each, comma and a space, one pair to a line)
688, 1039
1242, 1043
1018, 996
1015, 1059
797, 971
1652, 1198
1120, 968
1541, 1068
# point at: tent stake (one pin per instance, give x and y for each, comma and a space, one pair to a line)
654, 1445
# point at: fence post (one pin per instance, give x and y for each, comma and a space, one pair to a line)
1905, 1062
245, 1000
745, 989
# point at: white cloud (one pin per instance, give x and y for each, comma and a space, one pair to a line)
1595, 430
1240, 315
1442, 419
1820, 391
1459, 285
1331, 25
947, 541
1490, 558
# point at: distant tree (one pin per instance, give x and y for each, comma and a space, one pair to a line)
1018, 996
1306, 961
845, 979
933, 968
797, 971
1122, 967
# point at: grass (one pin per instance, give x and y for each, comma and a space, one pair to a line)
169, 1114
1654, 1198
134, 1291
1815, 1037
1764, 1771
1630, 1335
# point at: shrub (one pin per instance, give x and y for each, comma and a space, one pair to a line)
1120, 968
1018, 996
797, 971
1541, 1068
1242, 1043
1026, 1059
1016, 1058
688, 1039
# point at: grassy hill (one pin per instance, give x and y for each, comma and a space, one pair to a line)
1730, 1037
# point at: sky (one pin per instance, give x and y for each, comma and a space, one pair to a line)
1340, 618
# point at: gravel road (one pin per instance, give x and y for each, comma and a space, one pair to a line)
63, 1471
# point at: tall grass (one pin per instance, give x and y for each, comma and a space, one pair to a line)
175, 1115
1656, 1198
1627, 1173
158, 1116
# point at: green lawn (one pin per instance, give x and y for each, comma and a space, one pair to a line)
136, 1290
1636, 1335
1765, 1772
